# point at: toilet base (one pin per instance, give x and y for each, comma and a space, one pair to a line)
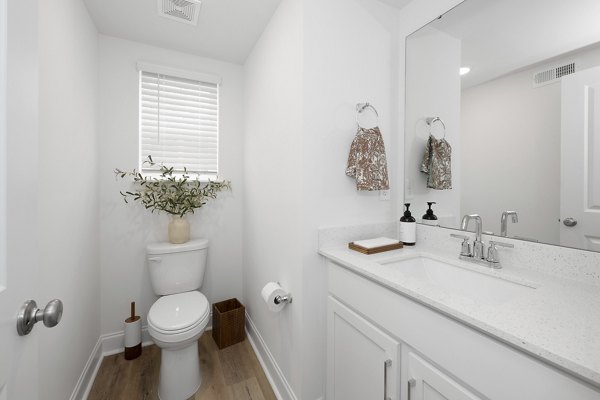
180, 375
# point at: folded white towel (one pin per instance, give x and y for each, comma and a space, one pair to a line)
377, 242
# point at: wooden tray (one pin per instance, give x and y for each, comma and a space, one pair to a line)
374, 250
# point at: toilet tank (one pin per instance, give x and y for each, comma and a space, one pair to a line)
177, 268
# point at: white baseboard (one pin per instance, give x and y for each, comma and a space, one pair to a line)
86, 379
107, 345
281, 387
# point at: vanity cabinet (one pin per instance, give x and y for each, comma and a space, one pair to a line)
362, 360
426, 382
434, 356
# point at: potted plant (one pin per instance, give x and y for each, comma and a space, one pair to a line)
174, 194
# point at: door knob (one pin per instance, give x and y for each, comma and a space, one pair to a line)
570, 222
29, 314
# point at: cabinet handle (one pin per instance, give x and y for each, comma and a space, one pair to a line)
412, 382
386, 365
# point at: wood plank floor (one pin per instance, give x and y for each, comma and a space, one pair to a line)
233, 373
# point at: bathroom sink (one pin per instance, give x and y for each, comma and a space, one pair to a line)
454, 279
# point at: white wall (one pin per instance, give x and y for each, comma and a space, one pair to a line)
314, 62
511, 150
68, 188
432, 90
351, 50
125, 229
273, 184
350, 55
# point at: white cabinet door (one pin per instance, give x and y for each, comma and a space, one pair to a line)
429, 383
362, 361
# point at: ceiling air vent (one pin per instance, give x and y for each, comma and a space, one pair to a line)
180, 10
552, 74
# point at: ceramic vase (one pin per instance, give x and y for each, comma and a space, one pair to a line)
179, 230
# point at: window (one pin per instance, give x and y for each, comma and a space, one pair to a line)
179, 120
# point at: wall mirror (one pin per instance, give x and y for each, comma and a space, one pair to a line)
523, 122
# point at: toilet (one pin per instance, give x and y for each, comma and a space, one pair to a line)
178, 318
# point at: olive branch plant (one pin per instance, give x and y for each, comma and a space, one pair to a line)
176, 195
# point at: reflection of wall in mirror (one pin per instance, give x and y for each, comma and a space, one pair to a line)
510, 134
433, 87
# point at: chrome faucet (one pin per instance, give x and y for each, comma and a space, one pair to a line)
493, 257
491, 260
477, 244
504, 221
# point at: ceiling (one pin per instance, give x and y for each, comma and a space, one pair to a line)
499, 37
396, 3
227, 29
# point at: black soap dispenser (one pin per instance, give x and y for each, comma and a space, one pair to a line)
430, 218
408, 228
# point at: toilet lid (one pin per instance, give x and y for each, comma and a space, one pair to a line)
178, 311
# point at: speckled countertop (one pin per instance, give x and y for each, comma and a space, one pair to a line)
557, 321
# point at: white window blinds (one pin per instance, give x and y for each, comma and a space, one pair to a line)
179, 123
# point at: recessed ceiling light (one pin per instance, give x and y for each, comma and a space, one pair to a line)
464, 70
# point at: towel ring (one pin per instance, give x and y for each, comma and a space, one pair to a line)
432, 120
360, 107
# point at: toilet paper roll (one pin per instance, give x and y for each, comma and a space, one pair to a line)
269, 292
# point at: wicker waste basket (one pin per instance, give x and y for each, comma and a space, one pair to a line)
229, 318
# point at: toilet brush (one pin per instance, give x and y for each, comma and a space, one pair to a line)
133, 335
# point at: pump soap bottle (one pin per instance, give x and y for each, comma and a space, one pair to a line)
430, 218
408, 228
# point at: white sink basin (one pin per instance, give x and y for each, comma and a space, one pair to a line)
454, 279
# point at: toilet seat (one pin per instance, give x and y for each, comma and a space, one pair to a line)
178, 317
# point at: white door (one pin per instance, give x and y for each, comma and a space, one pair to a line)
362, 361
18, 200
580, 160
428, 383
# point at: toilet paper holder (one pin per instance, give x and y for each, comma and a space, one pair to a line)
283, 299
